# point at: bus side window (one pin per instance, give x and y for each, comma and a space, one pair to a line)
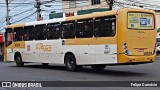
40, 32
68, 30
28, 33
53, 31
97, 28
50, 31
84, 28
18, 34
105, 26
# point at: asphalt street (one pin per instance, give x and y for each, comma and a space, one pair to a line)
36, 72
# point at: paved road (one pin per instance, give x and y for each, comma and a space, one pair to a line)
36, 72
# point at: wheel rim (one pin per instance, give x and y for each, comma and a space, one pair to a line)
18, 59
71, 62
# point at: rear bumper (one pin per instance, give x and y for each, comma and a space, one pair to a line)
124, 59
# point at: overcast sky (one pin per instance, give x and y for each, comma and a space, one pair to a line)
19, 11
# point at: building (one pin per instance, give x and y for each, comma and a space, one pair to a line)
76, 6
146, 4
79, 7
1, 46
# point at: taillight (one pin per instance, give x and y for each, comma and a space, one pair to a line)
125, 48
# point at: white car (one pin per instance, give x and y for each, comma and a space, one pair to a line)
158, 49
158, 46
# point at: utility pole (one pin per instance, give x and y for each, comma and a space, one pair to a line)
110, 3
38, 6
7, 11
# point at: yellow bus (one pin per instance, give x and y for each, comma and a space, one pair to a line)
118, 37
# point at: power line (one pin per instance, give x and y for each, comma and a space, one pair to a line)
17, 3
24, 18
20, 5
22, 12
3, 23
3, 18
38, 6
136, 3
10, 1
2, 29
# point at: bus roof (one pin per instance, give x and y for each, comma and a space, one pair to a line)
92, 15
45, 21
79, 17
15, 25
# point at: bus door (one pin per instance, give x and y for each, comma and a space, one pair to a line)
8, 42
85, 42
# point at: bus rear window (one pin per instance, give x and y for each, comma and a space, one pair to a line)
141, 21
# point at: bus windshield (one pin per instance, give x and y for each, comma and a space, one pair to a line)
143, 21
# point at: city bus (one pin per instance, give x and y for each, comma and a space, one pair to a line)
119, 37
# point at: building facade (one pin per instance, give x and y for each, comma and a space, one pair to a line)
79, 7
70, 6
1, 47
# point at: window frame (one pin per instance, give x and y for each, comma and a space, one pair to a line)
53, 38
110, 21
15, 36
72, 4
33, 35
92, 27
74, 29
41, 33
95, 2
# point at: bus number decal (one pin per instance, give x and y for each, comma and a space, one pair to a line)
41, 46
148, 53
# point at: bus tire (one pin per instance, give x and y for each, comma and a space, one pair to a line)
70, 62
98, 67
45, 64
79, 66
18, 60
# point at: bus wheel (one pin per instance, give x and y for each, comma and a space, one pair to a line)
18, 60
79, 66
98, 67
45, 64
70, 62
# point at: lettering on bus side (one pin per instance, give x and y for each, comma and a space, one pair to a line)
17, 45
43, 47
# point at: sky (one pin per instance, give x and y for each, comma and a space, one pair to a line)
21, 13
